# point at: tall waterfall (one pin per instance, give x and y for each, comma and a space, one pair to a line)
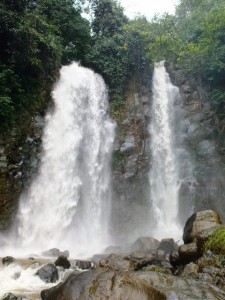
164, 173
68, 203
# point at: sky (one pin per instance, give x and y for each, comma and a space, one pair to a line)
148, 7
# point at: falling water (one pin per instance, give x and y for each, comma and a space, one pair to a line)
68, 203
164, 176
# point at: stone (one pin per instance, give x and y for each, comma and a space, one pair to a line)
138, 255
191, 269
145, 244
116, 263
83, 264
48, 273
54, 252
204, 235
8, 260
188, 252
174, 258
167, 246
108, 284
10, 296
62, 261
199, 222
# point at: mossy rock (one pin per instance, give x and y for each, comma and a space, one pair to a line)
216, 242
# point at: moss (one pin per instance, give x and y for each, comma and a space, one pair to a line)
119, 159
216, 242
117, 108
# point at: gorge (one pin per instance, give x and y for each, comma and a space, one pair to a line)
78, 136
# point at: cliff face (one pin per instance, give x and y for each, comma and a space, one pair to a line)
20, 148
202, 133
201, 157
131, 159
205, 139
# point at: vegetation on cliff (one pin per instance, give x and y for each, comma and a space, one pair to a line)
38, 36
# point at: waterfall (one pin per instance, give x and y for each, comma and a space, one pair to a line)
68, 204
165, 176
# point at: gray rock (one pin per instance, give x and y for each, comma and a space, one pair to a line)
145, 244
199, 222
83, 264
167, 245
62, 261
103, 284
188, 252
8, 260
191, 270
48, 273
116, 263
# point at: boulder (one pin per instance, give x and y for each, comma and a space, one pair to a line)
107, 284
192, 270
116, 262
204, 235
62, 261
165, 248
8, 260
145, 244
54, 252
83, 264
188, 253
199, 222
48, 273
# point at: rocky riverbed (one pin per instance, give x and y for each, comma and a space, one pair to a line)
146, 269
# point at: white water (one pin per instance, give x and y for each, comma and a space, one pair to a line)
68, 203
164, 174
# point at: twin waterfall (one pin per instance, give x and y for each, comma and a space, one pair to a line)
68, 205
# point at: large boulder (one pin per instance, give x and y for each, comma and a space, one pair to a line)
82, 264
145, 244
62, 261
116, 262
199, 222
102, 284
48, 273
166, 247
188, 253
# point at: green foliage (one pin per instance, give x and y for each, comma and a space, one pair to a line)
216, 242
36, 37
108, 18
218, 97
117, 108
